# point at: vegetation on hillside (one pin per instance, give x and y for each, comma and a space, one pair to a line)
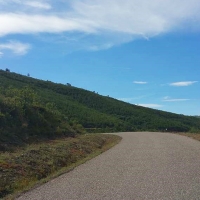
25, 119
32, 109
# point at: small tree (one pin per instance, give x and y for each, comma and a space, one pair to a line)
7, 70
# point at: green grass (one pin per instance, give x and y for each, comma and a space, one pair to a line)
37, 163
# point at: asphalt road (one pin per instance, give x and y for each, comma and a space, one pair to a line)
142, 166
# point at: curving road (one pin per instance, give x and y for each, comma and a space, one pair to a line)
142, 166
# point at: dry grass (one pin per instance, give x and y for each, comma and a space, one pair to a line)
195, 136
36, 164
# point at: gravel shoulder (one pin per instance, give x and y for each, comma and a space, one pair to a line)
144, 165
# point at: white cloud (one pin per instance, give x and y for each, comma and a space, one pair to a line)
115, 20
16, 47
174, 100
151, 105
1, 54
20, 3
131, 99
100, 47
168, 99
182, 84
27, 24
37, 4
140, 82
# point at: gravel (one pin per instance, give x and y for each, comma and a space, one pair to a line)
144, 165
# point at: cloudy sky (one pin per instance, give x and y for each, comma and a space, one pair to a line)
139, 51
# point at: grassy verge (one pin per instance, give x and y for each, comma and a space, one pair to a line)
28, 167
195, 136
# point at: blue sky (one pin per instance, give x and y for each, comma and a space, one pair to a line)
142, 52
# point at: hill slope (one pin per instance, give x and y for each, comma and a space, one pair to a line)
65, 110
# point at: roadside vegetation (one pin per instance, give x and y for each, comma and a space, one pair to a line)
195, 136
37, 163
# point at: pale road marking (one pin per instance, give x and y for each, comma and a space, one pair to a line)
143, 166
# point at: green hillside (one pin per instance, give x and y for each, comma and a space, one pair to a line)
32, 109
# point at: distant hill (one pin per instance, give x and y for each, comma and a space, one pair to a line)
32, 109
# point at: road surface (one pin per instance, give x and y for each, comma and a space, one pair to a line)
142, 166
